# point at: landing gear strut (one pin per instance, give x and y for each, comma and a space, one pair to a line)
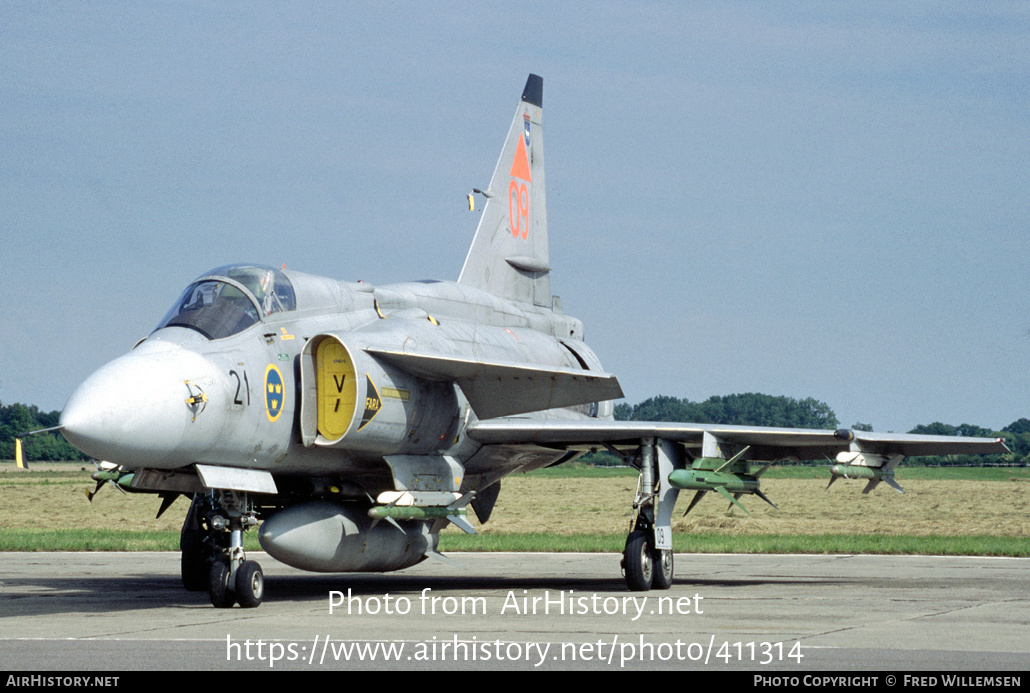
644, 564
212, 550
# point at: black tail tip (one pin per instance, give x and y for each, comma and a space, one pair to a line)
534, 91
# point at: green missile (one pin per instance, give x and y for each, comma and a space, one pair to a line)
873, 474
855, 472
409, 512
700, 480
709, 474
123, 479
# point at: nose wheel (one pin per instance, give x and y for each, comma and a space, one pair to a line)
247, 586
221, 596
212, 551
250, 584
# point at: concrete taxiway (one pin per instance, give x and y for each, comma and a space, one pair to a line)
128, 611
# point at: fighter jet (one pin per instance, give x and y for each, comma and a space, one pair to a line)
352, 422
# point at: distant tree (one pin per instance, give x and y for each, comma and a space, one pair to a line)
1018, 427
17, 419
1017, 437
623, 411
753, 409
1014, 443
663, 408
935, 429
601, 459
748, 409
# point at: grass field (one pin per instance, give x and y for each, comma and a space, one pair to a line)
969, 511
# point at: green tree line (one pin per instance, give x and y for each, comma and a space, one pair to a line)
17, 419
1016, 436
749, 409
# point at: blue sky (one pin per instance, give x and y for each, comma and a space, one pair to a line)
804, 199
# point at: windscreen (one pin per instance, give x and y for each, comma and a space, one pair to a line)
271, 288
213, 308
217, 308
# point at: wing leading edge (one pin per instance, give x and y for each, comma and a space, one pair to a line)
766, 443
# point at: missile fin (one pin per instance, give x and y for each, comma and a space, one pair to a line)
726, 494
167, 499
375, 520
463, 501
461, 524
893, 484
389, 519
697, 496
733, 459
436, 555
763, 470
764, 497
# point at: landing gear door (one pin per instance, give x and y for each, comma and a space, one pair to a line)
670, 456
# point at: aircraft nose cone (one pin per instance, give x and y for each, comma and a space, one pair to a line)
135, 410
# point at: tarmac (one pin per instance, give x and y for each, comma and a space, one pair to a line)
109, 612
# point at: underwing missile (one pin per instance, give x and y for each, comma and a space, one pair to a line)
381, 512
871, 474
699, 480
863, 465
730, 485
392, 513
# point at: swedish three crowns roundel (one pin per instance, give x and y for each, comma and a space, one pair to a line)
274, 392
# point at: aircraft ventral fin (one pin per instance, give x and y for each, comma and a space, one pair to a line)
496, 388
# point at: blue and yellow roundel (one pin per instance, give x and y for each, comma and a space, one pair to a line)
274, 392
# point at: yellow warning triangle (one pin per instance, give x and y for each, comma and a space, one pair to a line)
520, 167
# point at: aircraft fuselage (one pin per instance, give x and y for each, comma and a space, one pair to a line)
267, 396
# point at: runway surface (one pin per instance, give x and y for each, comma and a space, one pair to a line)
102, 612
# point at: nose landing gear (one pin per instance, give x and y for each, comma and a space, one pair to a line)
212, 550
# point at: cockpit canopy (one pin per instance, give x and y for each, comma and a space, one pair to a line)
229, 299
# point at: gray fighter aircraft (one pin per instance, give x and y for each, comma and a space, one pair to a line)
353, 422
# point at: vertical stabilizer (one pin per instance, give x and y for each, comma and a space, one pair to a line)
509, 256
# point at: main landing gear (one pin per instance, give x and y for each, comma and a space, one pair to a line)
212, 550
644, 565
647, 560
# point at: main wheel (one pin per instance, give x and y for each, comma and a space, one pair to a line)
250, 584
637, 561
663, 569
195, 563
218, 586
